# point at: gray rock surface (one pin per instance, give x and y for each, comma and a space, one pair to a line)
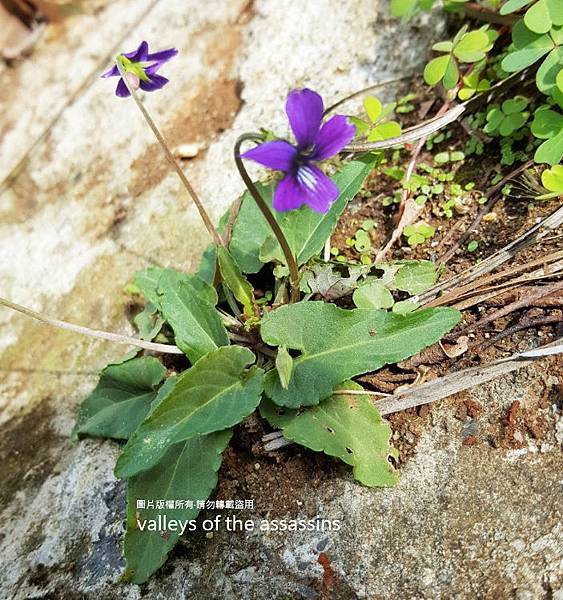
88, 200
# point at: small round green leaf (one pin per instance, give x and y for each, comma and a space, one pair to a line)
436, 69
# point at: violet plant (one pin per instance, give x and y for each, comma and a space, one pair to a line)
291, 355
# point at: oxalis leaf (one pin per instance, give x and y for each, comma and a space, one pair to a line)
214, 394
346, 426
337, 344
121, 400
188, 470
307, 231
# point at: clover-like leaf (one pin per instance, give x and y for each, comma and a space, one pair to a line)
214, 394
373, 294
346, 426
337, 344
548, 125
188, 470
529, 48
552, 179
121, 400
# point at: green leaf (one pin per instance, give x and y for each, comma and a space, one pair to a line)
555, 11
216, 393
414, 276
346, 426
551, 67
559, 80
530, 47
514, 105
284, 366
373, 108
551, 151
547, 123
373, 295
512, 123
435, 70
537, 17
149, 281
495, 117
403, 8
443, 47
513, 5
184, 304
121, 400
472, 46
188, 470
307, 231
251, 230
208, 264
148, 322
451, 76
236, 282
384, 131
337, 344
552, 179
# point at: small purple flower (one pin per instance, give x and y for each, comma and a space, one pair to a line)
141, 68
304, 182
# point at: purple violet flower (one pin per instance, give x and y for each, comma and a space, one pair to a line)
304, 182
141, 68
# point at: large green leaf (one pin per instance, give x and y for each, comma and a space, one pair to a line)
188, 471
307, 231
346, 426
337, 344
188, 305
121, 400
216, 393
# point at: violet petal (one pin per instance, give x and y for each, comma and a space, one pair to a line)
121, 89
140, 54
162, 55
304, 109
318, 190
278, 155
288, 194
155, 83
113, 72
332, 137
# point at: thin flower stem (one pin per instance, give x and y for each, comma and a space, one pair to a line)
94, 333
170, 157
263, 206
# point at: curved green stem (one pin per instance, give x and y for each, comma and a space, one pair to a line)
263, 206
